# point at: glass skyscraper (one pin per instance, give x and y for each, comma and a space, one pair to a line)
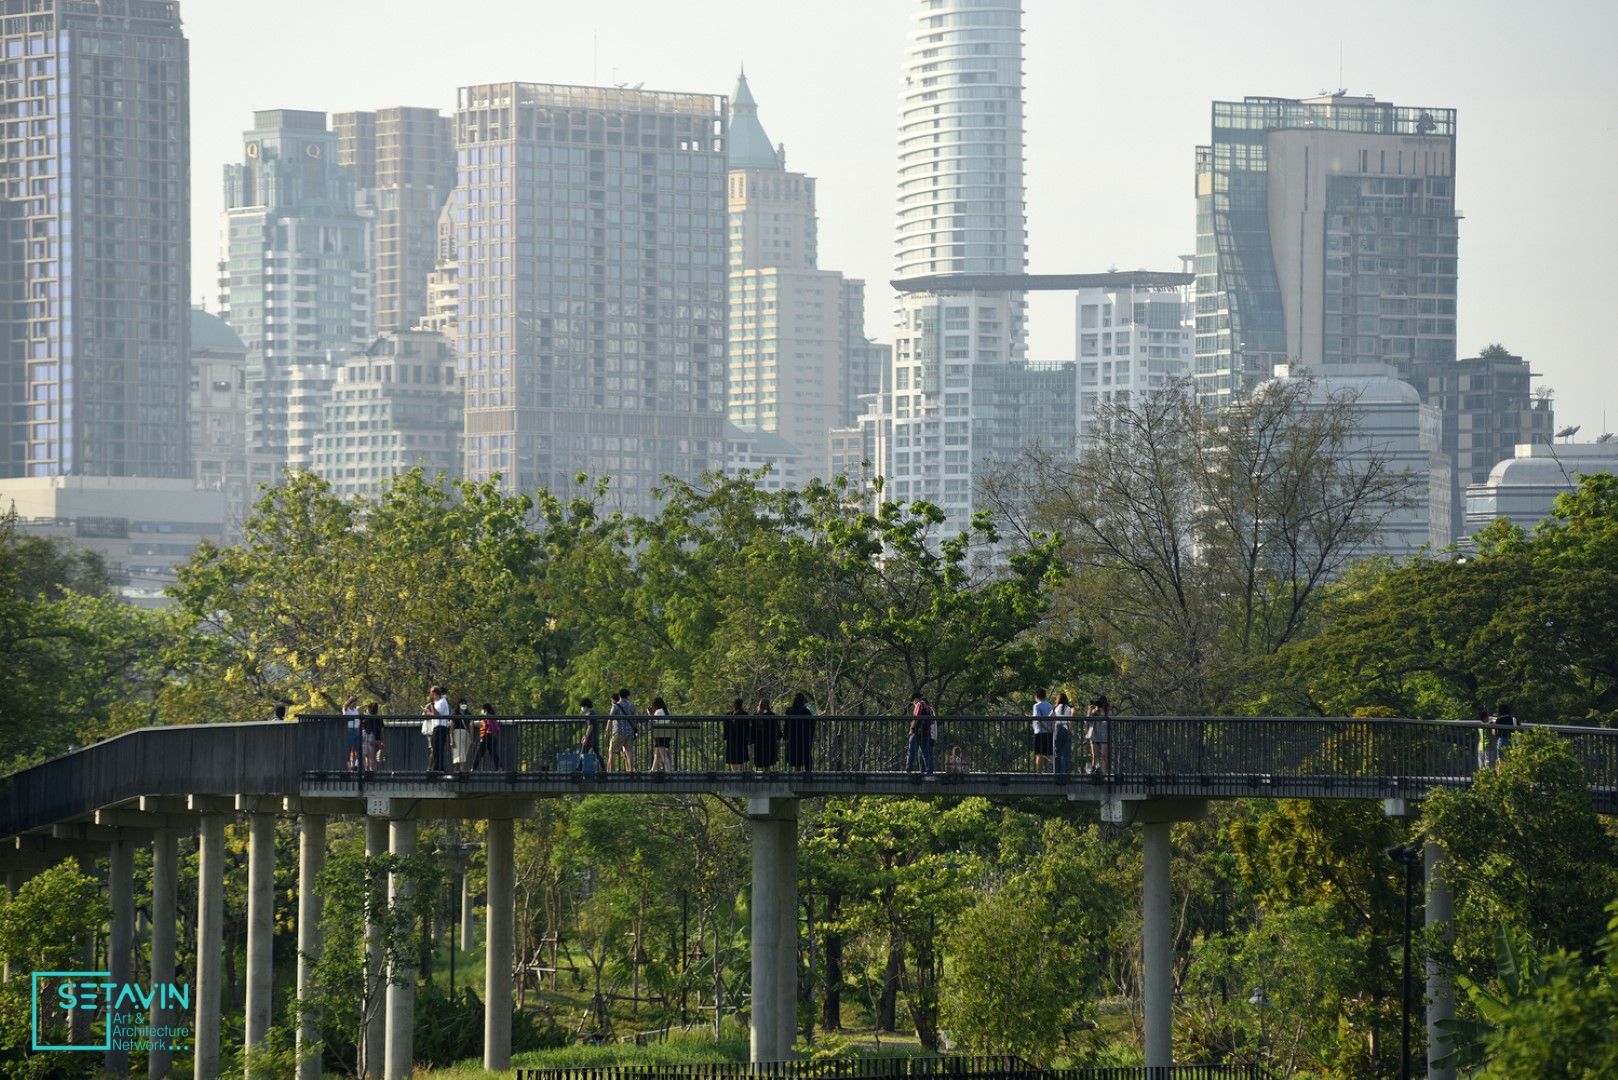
1326, 236
294, 281
590, 239
94, 222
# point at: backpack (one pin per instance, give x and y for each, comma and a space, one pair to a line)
922, 708
491, 726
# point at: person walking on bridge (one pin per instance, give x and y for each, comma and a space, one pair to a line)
1100, 736
624, 730
1042, 732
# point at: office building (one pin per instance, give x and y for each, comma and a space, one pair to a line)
219, 415
404, 169
961, 239
1131, 340
94, 239
798, 359
1522, 488
142, 527
1488, 408
1326, 235
392, 407
294, 280
1396, 430
591, 261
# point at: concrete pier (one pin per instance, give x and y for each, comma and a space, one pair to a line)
401, 1008
311, 864
260, 933
499, 949
121, 939
210, 942
775, 927
1440, 921
165, 886
374, 1051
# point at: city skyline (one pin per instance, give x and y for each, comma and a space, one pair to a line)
1117, 103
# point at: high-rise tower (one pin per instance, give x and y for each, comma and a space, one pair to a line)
404, 169
591, 259
798, 358
94, 239
961, 226
294, 279
1326, 237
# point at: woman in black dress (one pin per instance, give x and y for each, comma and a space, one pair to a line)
800, 725
738, 736
766, 735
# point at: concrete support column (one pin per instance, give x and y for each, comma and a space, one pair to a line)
1157, 947
401, 993
165, 884
501, 849
469, 937
1440, 991
311, 863
775, 944
260, 929
210, 942
376, 1021
78, 1024
15, 879
121, 939
787, 915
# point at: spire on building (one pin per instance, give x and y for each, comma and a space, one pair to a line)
749, 147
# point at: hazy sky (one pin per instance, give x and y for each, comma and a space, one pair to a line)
1118, 96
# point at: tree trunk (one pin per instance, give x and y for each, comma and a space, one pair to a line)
831, 1013
887, 1005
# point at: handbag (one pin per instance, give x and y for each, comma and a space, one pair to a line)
957, 764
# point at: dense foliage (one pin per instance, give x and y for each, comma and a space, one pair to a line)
994, 926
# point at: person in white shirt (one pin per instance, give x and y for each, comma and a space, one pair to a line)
1062, 718
438, 747
1042, 732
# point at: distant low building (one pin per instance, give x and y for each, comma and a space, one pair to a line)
749, 451
393, 407
1394, 426
143, 528
1522, 488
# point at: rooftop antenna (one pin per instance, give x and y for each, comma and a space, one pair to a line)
1340, 81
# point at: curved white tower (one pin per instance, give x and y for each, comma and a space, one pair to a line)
961, 141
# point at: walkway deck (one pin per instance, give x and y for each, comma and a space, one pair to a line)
1150, 757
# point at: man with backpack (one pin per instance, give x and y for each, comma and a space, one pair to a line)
624, 730
923, 734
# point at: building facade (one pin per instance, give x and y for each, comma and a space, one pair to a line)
404, 169
294, 280
1488, 409
960, 214
1326, 235
219, 415
798, 359
592, 261
95, 276
1131, 340
1523, 487
1395, 429
392, 407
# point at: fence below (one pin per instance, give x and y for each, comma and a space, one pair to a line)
897, 1068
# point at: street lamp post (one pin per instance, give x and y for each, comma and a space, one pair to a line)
1410, 858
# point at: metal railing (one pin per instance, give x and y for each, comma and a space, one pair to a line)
896, 1068
1216, 757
